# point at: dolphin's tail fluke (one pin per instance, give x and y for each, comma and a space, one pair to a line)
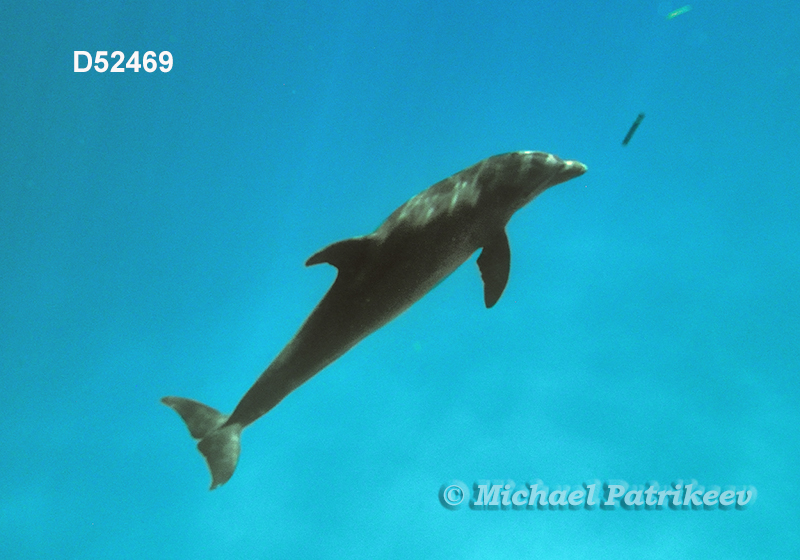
219, 443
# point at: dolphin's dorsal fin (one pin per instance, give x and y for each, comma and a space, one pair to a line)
494, 263
345, 254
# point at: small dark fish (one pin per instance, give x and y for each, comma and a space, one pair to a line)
634, 126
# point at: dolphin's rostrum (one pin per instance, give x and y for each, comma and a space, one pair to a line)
380, 275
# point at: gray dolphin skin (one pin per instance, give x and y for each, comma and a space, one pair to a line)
382, 274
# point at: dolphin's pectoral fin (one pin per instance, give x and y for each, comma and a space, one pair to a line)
348, 253
494, 263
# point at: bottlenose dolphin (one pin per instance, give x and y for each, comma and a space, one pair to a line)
380, 275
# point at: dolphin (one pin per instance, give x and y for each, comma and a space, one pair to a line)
382, 274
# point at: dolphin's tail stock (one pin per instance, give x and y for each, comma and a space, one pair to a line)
219, 443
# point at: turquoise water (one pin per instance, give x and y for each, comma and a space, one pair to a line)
154, 230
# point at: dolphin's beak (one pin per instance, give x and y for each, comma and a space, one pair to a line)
570, 170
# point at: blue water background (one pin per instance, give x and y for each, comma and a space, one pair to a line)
153, 230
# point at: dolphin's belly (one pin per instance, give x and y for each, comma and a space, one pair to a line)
407, 272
